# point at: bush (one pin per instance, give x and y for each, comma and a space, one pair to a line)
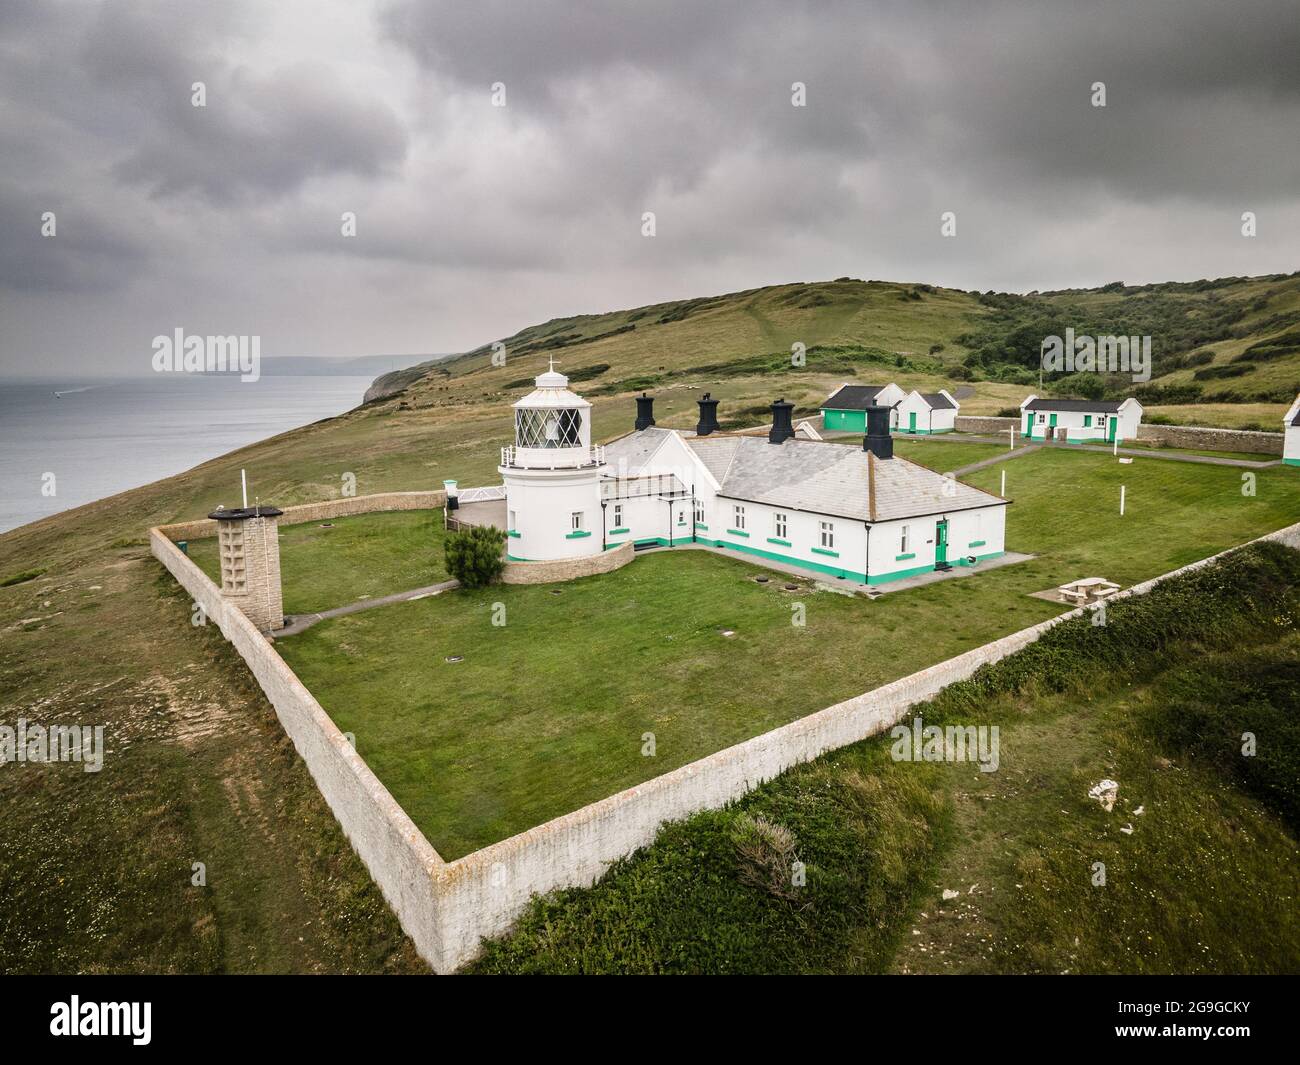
765, 855
474, 555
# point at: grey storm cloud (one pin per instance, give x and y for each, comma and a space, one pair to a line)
474, 220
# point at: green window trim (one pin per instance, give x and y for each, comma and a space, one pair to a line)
825, 551
577, 534
904, 558
977, 543
615, 532
738, 532
513, 532
701, 525
783, 543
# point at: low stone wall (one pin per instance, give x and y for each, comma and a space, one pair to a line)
1196, 437
567, 569
401, 861
447, 908
1208, 439
330, 508
970, 423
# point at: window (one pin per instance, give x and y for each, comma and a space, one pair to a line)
1042, 418
906, 535
576, 520
780, 526
699, 511
618, 515
828, 534
537, 427
513, 523
740, 517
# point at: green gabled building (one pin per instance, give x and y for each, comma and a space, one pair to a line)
846, 408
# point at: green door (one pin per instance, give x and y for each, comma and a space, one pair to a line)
1110, 433
941, 544
911, 421
1029, 425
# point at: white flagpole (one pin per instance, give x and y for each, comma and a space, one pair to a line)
243, 483
1121, 501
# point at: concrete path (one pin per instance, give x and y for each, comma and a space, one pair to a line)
302, 622
994, 460
1127, 452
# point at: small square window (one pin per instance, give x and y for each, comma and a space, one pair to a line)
576, 520
828, 534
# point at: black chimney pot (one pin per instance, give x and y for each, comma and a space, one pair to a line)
781, 430
708, 422
878, 441
645, 411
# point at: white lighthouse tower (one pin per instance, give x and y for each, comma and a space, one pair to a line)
552, 475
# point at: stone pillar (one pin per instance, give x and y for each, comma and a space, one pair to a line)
249, 543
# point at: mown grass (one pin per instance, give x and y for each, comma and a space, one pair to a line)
547, 711
945, 455
334, 563
1207, 881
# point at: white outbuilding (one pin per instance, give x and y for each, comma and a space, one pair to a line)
1291, 441
1077, 421
926, 413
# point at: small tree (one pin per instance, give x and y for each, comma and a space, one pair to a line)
474, 555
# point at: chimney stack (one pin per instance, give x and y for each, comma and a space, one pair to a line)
878, 441
645, 411
708, 422
781, 430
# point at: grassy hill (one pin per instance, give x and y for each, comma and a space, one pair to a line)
96, 869
1225, 352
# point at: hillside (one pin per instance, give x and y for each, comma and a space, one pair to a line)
1224, 351
97, 867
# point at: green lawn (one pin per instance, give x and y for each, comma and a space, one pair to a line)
546, 713
944, 455
359, 557
1200, 854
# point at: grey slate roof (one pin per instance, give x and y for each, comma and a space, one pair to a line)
853, 397
636, 447
1085, 406
938, 401
831, 479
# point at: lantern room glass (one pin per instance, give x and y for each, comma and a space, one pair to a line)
554, 427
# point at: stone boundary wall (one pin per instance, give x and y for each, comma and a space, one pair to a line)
330, 508
400, 860
1202, 437
971, 423
1210, 439
566, 569
485, 891
447, 908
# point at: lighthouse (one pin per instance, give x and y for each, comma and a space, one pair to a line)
552, 475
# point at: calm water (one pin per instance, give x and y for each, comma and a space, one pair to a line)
112, 435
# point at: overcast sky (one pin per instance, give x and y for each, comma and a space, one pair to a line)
475, 220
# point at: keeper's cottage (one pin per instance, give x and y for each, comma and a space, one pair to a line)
854, 513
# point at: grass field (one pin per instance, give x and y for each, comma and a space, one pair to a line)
546, 712
946, 455
329, 564
1206, 881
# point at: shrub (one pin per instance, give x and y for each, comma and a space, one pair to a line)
765, 855
474, 555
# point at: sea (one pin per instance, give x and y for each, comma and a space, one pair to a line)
68, 441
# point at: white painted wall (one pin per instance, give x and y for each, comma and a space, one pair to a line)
1291, 437
542, 502
928, 419
965, 527
1129, 417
